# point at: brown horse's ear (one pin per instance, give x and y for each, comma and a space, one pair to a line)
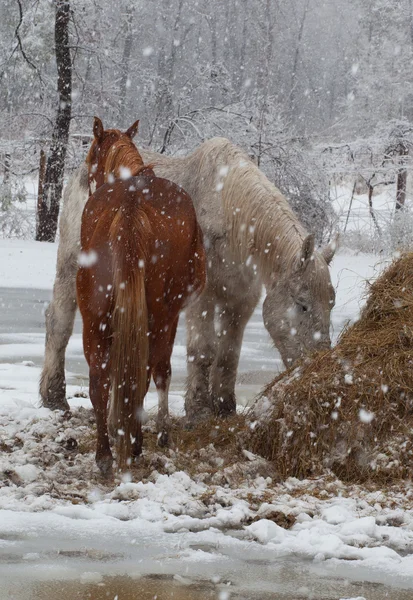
307, 250
329, 250
98, 129
133, 130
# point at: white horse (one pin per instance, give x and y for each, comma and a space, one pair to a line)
252, 238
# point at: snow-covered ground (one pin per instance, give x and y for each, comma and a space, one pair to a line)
356, 212
219, 521
27, 264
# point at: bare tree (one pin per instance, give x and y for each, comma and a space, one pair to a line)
294, 77
52, 191
127, 50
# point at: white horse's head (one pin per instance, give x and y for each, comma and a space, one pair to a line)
298, 304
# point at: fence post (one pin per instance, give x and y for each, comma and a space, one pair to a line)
7, 164
401, 178
370, 196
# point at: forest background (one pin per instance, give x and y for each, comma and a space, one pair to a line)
318, 92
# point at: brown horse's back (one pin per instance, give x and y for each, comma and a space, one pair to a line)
173, 249
174, 259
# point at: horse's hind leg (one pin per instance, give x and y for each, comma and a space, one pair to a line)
97, 355
233, 320
162, 378
60, 317
200, 355
138, 443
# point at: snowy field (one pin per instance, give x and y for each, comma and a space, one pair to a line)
357, 215
60, 521
318, 94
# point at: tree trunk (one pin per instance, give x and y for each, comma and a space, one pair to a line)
294, 77
127, 50
171, 62
229, 42
6, 196
263, 78
52, 192
242, 74
213, 25
40, 186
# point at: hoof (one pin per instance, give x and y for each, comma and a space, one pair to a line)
56, 404
226, 412
163, 438
198, 407
71, 444
189, 424
225, 407
194, 418
105, 466
53, 394
136, 450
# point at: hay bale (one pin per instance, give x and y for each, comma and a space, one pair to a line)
350, 408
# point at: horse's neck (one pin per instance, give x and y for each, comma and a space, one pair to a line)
277, 250
262, 226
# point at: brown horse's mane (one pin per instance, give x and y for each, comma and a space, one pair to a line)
123, 158
123, 154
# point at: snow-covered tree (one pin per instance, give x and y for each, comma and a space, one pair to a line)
382, 87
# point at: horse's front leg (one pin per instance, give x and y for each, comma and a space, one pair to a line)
60, 317
162, 378
233, 319
201, 349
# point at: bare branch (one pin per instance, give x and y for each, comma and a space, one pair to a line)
20, 45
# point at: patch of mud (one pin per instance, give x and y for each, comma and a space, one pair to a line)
93, 586
125, 588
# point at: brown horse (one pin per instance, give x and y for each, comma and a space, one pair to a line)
142, 260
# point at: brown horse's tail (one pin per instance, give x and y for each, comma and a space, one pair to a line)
130, 347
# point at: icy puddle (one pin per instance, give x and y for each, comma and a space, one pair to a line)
126, 588
92, 586
122, 588
22, 333
69, 565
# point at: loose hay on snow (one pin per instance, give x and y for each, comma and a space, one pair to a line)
349, 408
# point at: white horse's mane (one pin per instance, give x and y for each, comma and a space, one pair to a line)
259, 221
